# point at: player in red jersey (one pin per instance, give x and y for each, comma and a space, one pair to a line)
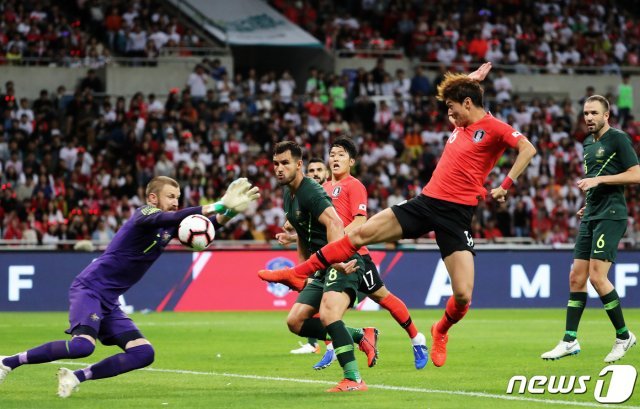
349, 196
446, 205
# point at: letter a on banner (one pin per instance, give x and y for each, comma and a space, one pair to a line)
440, 285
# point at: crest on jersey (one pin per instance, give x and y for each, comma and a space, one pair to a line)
166, 236
94, 317
600, 152
478, 135
336, 191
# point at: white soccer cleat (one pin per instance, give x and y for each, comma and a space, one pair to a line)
561, 350
4, 370
620, 347
306, 349
67, 382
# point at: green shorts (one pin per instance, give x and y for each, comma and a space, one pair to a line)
333, 280
599, 239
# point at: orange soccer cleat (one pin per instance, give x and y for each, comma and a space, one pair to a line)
369, 345
347, 385
286, 276
439, 347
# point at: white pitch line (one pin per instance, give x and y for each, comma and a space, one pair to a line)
372, 386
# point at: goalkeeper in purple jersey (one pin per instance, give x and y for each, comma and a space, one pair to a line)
95, 313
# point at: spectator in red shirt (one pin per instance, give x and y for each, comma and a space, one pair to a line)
14, 229
491, 232
478, 46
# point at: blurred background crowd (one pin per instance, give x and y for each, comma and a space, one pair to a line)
74, 163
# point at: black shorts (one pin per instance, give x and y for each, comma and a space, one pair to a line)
371, 281
450, 221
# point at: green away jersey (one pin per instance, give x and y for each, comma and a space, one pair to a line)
303, 210
609, 155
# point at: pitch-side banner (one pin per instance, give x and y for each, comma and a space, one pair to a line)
247, 22
227, 280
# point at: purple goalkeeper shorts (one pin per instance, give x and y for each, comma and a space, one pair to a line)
86, 309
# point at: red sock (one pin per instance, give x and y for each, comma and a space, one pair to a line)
399, 313
453, 313
334, 252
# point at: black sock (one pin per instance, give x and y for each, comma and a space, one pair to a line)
575, 308
313, 328
612, 305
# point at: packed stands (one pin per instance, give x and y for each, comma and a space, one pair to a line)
73, 163
547, 36
91, 34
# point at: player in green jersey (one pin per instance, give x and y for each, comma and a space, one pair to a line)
610, 162
316, 170
309, 210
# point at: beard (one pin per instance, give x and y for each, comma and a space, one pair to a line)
598, 126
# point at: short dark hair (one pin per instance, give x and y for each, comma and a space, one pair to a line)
458, 87
316, 160
294, 148
347, 144
599, 98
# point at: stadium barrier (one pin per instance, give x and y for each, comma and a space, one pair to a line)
226, 280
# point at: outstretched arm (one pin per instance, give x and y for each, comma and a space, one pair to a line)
526, 151
481, 73
236, 200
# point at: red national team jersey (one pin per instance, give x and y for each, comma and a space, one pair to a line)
469, 155
349, 197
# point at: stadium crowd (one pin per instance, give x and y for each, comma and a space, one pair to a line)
549, 35
90, 33
73, 164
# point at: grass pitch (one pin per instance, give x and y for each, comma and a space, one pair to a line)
242, 360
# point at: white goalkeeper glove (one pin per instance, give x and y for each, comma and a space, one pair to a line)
237, 198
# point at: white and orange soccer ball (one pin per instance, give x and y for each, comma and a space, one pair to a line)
196, 232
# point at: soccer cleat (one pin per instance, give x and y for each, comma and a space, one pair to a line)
328, 358
67, 383
369, 345
4, 370
439, 347
421, 352
561, 350
286, 276
620, 347
347, 385
306, 349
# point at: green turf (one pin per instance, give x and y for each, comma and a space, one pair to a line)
229, 352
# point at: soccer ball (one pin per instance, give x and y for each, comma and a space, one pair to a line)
196, 232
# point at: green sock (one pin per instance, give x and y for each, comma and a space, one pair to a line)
343, 346
312, 328
312, 341
356, 334
575, 307
612, 305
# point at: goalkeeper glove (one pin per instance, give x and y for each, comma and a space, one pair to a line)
237, 198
